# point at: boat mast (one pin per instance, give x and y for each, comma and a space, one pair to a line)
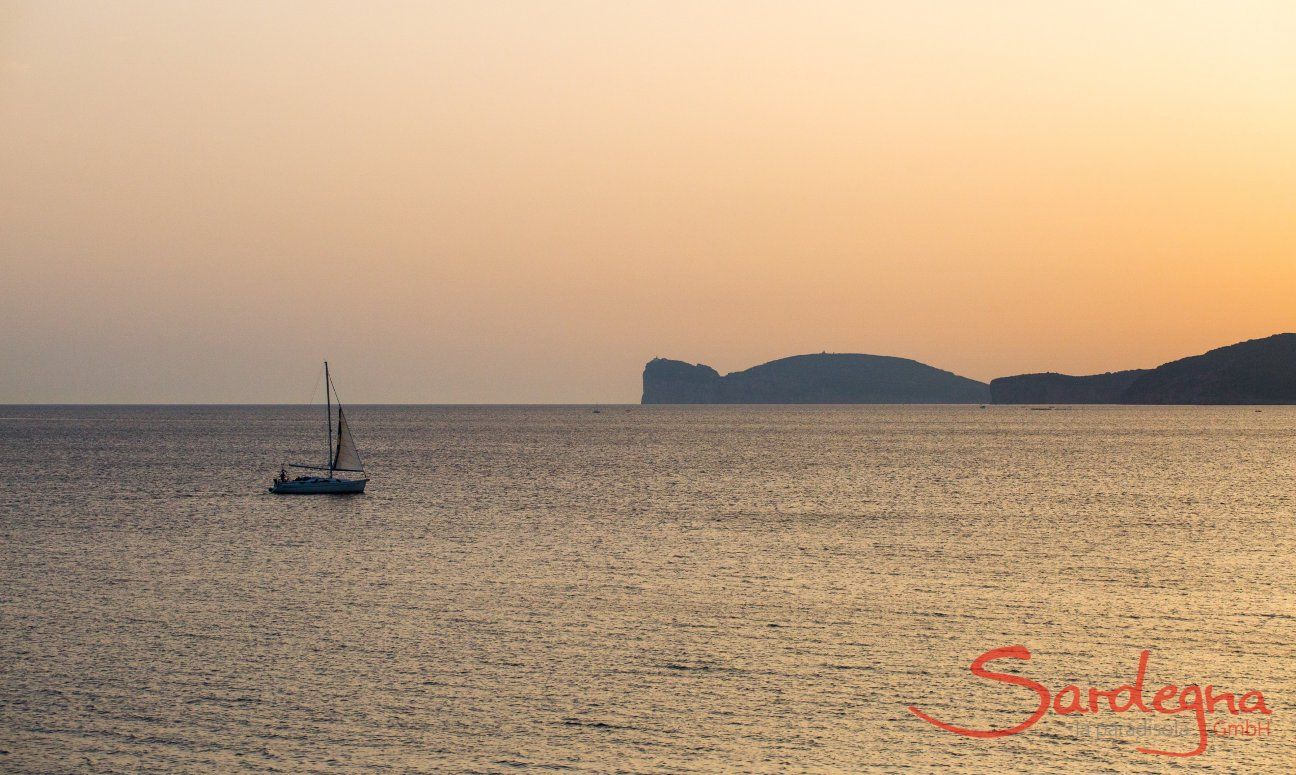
328, 415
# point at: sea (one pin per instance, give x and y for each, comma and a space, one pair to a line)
649, 589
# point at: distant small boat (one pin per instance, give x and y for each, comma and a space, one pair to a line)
342, 457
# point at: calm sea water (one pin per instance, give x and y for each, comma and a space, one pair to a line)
646, 589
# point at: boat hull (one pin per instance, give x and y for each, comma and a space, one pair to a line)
318, 485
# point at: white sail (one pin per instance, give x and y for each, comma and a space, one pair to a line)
345, 458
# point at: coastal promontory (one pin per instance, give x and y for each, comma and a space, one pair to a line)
824, 378
1258, 371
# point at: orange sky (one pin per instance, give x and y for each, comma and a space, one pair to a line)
523, 202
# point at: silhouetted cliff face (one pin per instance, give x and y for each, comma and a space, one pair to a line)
1261, 371
1054, 388
676, 382
811, 379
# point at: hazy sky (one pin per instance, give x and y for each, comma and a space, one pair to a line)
482, 202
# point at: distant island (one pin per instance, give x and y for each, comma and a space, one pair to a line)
826, 378
1260, 371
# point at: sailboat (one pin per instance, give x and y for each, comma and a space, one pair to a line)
342, 457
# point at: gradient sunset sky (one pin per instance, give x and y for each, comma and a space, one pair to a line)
524, 202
